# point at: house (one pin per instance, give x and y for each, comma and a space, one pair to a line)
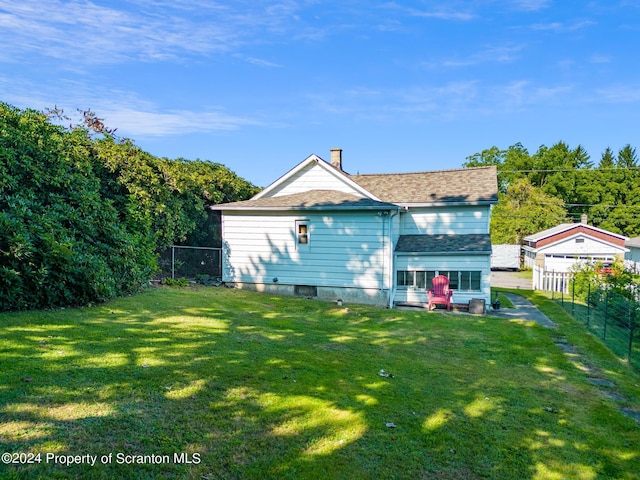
632, 257
552, 252
320, 232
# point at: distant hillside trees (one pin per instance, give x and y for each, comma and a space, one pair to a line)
566, 179
82, 213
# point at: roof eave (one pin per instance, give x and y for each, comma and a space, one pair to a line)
221, 207
446, 204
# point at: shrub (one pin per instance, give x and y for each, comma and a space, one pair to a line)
61, 242
176, 282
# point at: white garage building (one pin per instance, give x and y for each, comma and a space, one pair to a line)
552, 252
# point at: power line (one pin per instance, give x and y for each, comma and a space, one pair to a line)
554, 170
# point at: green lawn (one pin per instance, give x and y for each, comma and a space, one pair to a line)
249, 385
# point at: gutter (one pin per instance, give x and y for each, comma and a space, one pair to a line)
447, 204
392, 254
324, 208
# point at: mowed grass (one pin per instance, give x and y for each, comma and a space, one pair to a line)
255, 386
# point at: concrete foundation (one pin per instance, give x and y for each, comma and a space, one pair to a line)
332, 294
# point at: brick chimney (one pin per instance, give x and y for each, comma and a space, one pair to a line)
336, 158
583, 219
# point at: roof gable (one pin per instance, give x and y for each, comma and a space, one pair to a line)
564, 231
314, 174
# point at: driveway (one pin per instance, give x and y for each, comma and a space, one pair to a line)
507, 279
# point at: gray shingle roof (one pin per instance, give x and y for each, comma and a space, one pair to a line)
444, 244
311, 200
633, 242
466, 185
550, 231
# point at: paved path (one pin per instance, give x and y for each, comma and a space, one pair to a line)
523, 310
508, 279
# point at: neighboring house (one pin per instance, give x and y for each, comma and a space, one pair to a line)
320, 232
551, 253
632, 257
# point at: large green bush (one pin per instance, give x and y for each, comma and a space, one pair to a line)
83, 215
61, 241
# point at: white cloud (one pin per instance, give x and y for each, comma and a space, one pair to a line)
625, 94
522, 93
489, 54
439, 11
600, 58
259, 62
531, 5
84, 31
443, 13
137, 122
560, 27
132, 116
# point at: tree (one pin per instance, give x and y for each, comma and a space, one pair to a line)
510, 162
524, 210
627, 157
607, 160
609, 194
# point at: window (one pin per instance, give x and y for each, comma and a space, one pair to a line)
462, 281
305, 290
302, 232
405, 278
453, 279
469, 281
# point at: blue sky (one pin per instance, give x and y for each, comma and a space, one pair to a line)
398, 85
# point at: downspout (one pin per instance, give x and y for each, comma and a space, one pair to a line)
392, 263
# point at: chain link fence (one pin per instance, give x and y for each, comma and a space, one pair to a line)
201, 264
611, 316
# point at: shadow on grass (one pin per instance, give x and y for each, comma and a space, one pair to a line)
249, 385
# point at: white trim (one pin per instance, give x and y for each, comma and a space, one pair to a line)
573, 237
562, 228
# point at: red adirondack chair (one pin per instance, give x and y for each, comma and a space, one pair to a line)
439, 292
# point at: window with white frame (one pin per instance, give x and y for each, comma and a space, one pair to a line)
460, 280
302, 232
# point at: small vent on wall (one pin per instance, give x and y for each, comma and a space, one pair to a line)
305, 290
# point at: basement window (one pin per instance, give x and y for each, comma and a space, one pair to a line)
305, 290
